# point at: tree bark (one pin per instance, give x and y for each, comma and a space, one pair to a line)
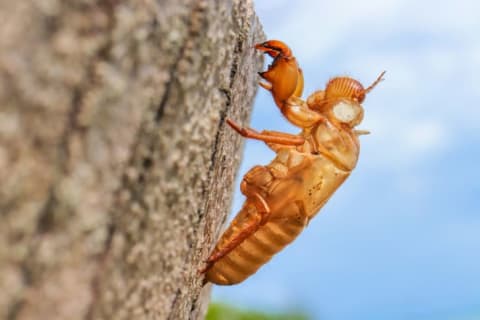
115, 159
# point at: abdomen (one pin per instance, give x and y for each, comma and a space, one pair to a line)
293, 199
257, 249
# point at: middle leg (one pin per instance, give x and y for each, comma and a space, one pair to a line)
267, 136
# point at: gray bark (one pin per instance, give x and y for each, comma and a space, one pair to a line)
115, 159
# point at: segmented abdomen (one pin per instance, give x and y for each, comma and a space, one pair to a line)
258, 248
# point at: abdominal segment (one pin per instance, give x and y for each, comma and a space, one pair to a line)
257, 249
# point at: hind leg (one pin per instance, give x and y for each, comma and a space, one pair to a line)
253, 186
249, 227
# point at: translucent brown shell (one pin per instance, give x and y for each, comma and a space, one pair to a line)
283, 196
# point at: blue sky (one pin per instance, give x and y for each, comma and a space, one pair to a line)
401, 238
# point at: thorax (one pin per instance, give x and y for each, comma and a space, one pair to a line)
339, 145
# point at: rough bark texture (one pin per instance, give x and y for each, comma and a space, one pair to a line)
116, 165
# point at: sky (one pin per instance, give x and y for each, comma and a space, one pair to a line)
400, 239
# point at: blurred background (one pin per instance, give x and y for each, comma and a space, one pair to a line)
401, 238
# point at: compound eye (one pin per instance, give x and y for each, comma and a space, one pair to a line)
345, 111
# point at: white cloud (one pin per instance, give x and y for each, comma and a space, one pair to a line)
425, 137
313, 28
400, 142
430, 36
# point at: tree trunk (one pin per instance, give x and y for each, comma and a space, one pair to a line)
116, 163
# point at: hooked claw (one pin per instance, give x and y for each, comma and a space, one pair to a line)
283, 74
274, 48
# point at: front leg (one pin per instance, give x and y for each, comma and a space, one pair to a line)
274, 137
298, 113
